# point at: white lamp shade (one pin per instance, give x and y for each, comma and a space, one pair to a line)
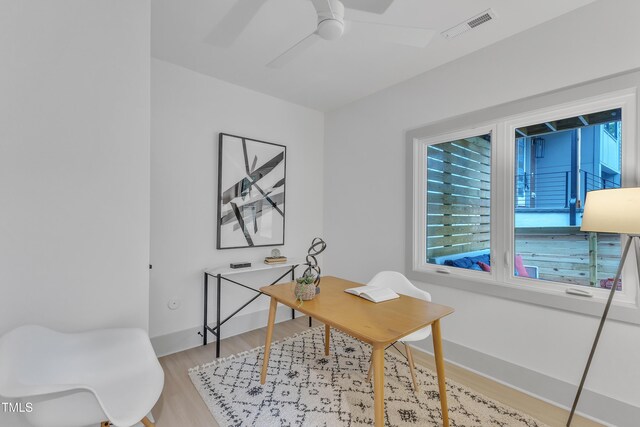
612, 211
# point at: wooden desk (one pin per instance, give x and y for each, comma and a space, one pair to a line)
377, 324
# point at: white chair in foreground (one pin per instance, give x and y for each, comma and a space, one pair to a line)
401, 285
78, 379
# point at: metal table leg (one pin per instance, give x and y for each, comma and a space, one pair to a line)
293, 278
216, 331
206, 306
218, 335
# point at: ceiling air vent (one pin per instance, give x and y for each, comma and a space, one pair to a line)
469, 24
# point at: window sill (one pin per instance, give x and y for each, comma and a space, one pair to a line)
620, 310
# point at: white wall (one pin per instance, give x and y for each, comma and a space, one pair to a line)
74, 163
365, 161
188, 110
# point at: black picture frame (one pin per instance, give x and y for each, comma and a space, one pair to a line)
244, 206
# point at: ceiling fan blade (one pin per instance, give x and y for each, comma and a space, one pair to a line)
321, 5
234, 22
373, 6
407, 36
295, 50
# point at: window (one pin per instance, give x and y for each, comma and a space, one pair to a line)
456, 182
499, 205
458, 202
572, 157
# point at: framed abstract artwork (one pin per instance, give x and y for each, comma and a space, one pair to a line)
251, 192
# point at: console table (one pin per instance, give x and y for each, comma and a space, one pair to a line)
223, 273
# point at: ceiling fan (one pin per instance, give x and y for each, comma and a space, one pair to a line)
331, 25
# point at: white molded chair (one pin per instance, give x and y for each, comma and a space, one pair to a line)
79, 379
401, 285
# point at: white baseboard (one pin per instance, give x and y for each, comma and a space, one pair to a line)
189, 338
592, 405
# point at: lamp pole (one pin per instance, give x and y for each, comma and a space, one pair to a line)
602, 320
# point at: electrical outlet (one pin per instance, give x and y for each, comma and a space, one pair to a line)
173, 304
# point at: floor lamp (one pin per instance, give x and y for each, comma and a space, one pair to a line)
610, 211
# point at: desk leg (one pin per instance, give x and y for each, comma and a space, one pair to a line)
378, 385
206, 308
437, 352
267, 345
327, 339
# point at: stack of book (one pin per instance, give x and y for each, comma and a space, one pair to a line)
275, 259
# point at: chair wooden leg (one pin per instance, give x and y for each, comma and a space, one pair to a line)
145, 421
370, 368
412, 366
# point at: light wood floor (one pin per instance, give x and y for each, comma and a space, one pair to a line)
181, 405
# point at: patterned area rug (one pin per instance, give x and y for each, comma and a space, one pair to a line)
306, 388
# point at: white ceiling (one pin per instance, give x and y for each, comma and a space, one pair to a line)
332, 74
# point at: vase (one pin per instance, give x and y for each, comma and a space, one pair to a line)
305, 292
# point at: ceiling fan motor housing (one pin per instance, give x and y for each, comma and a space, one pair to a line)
331, 21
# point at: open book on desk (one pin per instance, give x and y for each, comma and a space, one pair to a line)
373, 293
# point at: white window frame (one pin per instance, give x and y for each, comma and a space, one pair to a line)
625, 100
420, 203
501, 281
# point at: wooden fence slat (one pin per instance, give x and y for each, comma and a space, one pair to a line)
447, 157
541, 258
472, 155
434, 209
569, 230
455, 189
456, 240
446, 178
473, 145
568, 252
569, 264
440, 198
445, 230
457, 219
569, 272
434, 164
448, 163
